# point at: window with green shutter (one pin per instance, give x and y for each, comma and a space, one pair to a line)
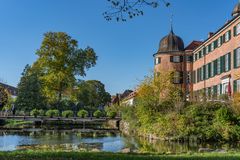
204, 72
209, 48
215, 64
223, 38
209, 70
229, 61
204, 50
219, 66
200, 54
235, 31
194, 77
236, 86
229, 34
215, 90
236, 58
222, 64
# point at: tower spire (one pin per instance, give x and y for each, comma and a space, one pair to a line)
171, 23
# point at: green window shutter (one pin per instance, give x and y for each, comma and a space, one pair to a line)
235, 86
204, 72
209, 70
229, 61
230, 34
223, 38
198, 75
209, 48
220, 88
204, 51
235, 58
235, 31
215, 90
215, 44
215, 67
200, 54
221, 64
193, 77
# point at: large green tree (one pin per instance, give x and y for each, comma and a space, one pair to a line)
60, 62
30, 94
92, 94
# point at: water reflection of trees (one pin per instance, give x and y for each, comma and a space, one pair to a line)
158, 146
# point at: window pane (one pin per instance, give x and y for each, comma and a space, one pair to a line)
238, 57
218, 66
226, 62
238, 29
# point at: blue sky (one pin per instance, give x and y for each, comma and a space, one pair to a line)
124, 49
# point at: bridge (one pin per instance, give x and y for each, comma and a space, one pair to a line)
73, 121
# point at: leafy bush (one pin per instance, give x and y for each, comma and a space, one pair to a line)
41, 112
82, 113
52, 113
67, 113
97, 114
35, 113
111, 114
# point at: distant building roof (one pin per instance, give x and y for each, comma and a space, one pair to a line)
193, 45
12, 90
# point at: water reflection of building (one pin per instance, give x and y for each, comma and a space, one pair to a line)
209, 68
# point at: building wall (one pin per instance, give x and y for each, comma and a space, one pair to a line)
227, 47
184, 67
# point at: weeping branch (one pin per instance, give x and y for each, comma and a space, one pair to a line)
121, 10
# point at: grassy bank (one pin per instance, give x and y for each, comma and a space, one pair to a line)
112, 156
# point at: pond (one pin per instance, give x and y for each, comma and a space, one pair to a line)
95, 140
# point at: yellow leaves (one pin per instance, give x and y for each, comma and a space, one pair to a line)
236, 103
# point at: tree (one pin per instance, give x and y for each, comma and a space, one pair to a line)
158, 93
30, 94
4, 97
60, 61
123, 9
92, 94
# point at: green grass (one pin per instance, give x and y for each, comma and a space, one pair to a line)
32, 155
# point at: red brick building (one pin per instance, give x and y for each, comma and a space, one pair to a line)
210, 68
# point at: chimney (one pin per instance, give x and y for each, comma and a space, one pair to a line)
210, 34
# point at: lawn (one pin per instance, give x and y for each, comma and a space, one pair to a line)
39, 155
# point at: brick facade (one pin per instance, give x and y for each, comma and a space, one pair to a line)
211, 67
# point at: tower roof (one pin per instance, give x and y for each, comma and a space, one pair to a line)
171, 43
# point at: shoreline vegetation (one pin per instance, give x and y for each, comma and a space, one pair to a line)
46, 155
169, 117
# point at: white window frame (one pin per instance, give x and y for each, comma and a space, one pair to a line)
212, 46
219, 41
157, 60
238, 57
226, 59
218, 66
227, 38
238, 29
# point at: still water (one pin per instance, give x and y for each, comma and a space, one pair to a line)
82, 140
